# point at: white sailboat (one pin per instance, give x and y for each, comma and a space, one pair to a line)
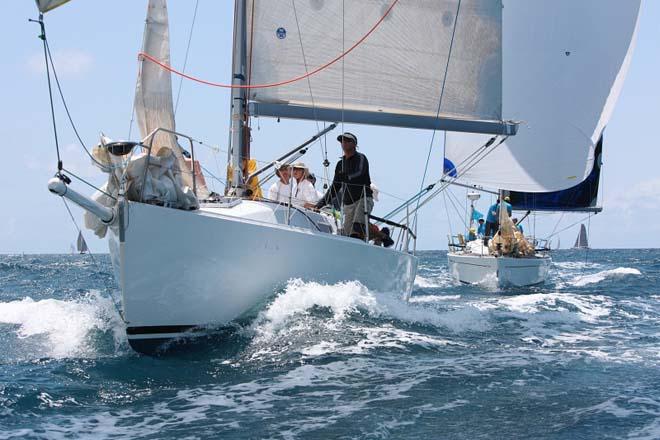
185, 261
581, 241
563, 68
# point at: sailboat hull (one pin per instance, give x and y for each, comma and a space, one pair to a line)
501, 271
184, 270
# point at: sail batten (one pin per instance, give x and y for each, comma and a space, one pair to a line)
400, 69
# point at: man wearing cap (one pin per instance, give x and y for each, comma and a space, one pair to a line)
280, 191
352, 184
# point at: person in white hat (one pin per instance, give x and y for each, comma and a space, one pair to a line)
281, 190
304, 194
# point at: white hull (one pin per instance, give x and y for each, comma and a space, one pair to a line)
184, 269
504, 271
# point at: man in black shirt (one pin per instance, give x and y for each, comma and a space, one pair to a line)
352, 185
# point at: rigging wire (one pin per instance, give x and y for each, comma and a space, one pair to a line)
97, 266
570, 226
68, 113
442, 93
341, 56
185, 60
42, 37
324, 151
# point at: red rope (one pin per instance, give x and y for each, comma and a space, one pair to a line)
142, 55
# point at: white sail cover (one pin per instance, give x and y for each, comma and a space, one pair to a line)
153, 94
47, 5
398, 69
564, 64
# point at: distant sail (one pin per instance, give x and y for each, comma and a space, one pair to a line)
581, 240
394, 76
81, 244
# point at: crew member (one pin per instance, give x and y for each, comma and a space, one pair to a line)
353, 184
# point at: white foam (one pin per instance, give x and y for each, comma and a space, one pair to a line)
433, 298
433, 282
583, 280
61, 327
587, 307
341, 299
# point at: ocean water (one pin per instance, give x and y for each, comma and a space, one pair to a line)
576, 358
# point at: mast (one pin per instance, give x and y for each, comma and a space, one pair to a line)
238, 138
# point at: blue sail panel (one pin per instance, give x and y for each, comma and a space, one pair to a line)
581, 197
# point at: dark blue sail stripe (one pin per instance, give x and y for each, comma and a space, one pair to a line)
581, 197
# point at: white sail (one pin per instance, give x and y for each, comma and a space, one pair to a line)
153, 95
47, 5
563, 68
396, 74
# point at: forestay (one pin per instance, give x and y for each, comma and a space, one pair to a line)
394, 77
564, 64
153, 95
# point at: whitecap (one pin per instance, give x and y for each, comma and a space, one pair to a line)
583, 280
61, 328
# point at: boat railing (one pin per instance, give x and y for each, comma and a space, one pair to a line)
148, 142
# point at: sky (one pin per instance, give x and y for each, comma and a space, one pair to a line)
95, 47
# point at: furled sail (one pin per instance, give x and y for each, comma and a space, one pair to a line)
581, 197
395, 76
81, 244
581, 241
47, 5
564, 65
153, 95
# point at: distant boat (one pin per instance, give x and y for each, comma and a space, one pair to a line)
81, 244
581, 241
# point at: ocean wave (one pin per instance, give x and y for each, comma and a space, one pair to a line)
583, 280
433, 282
61, 328
316, 319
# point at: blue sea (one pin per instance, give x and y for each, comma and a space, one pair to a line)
578, 357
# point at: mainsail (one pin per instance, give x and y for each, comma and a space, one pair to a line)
563, 69
81, 244
581, 240
428, 64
